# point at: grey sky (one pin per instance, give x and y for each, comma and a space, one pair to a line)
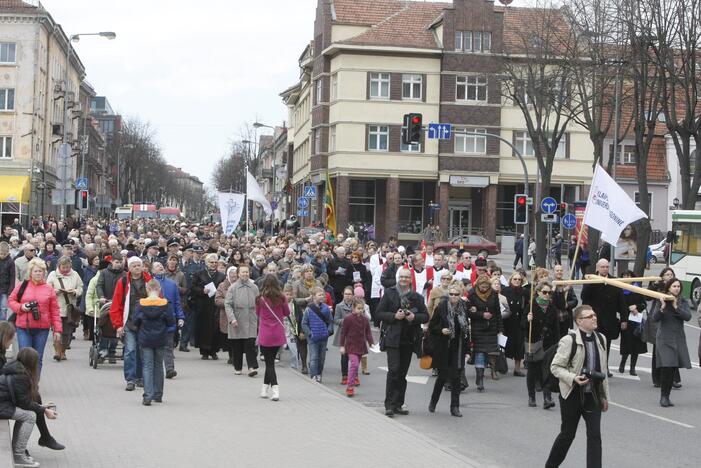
198, 71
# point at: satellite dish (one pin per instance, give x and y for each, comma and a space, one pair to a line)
506, 2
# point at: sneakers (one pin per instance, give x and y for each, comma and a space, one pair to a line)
25, 461
252, 372
237, 372
171, 373
264, 391
344, 380
184, 350
130, 386
140, 383
350, 392
276, 393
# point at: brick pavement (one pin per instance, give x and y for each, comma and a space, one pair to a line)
212, 418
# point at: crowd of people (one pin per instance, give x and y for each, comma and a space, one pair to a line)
164, 286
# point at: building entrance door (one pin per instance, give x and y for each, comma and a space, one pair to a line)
460, 221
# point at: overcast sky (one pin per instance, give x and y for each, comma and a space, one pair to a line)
197, 71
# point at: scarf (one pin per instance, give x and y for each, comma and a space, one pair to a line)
309, 284
458, 311
483, 295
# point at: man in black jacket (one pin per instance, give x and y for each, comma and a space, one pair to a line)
107, 281
564, 300
7, 278
340, 273
402, 312
389, 276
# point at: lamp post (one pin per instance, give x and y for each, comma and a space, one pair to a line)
65, 155
273, 169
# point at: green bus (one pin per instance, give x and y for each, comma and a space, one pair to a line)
685, 256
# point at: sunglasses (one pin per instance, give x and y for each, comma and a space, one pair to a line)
588, 316
546, 292
453, 294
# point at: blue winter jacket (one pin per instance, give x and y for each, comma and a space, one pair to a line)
169, 290
314, 327
153, 318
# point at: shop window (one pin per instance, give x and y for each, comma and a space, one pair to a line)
361, 201
411, 207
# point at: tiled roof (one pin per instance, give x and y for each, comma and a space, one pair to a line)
656, 164
407, 26
17, 6
365, 12
521, 26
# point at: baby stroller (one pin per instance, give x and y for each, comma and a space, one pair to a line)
105, 343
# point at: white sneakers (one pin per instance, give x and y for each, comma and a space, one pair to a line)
276, 393
264, 391
272, 391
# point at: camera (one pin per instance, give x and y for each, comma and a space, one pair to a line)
593, 375
33, 306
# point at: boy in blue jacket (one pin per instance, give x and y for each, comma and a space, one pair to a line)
154, 315
317, 325
169, 290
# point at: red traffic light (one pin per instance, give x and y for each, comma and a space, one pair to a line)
416, 120
563, 205
521, 200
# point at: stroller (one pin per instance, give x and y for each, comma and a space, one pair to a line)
103, 330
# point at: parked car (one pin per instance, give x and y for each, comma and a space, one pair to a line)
476, 245
659, 251
309, 231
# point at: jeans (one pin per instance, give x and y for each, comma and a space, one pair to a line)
269, 353
480, 360
187, 332
33, 338
398, 361
153, 372
107, 346
132, 357
3, 306
168, 357
24, 424
241, 346
354, 361
571, 410
317, 356
294, 357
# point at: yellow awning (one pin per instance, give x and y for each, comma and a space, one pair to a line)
14, 189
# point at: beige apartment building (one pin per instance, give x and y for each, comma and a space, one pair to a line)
33, 60
370, 63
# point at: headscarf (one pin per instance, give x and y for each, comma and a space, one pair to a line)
483, 279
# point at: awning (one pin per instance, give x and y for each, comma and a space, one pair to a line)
14, 189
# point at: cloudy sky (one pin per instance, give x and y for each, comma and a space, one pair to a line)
197, 71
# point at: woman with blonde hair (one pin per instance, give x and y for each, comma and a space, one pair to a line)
69, 287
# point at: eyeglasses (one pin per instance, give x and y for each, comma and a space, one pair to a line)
516, 279
588, 316
404, 277
546, 291
453, 294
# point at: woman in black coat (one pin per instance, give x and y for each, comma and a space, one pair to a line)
650, 331
449, 332
541, 331
207, 337
517, 296
486, 324
631, 336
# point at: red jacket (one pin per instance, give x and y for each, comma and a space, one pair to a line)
49, 312
120, 300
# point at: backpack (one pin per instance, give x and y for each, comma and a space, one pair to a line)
549, 380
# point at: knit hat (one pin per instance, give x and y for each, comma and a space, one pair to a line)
133, 260
359, 292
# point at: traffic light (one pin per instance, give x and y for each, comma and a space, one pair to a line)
83, 197
563, 209
412, 128
520, 209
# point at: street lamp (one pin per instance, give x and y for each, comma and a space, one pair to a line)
676, 203
273, 169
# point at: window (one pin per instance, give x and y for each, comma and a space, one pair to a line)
467, 41
473, 41
477, 41
471, 88
8, 52
361, 201
319, 89
334, 87
687, 241
317, 141
411, 202
7, 99
524, 144
5, 147
626, 154
649, 201
411, 86
458, 40
471, 144
486, 41
379, 85
332, 138
378, 138
413, 148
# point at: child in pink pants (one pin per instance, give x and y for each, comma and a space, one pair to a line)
355, 337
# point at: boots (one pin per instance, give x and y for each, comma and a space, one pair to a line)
364, 365
479, 381
547, 399
664, 401
493, 367
264, 391
455, 411
57, 350
622, 365
633, 362
276, 393
63, 349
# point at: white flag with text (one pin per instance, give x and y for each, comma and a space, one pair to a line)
231, 208
255, 193
609, 208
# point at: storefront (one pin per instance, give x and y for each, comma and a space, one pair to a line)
14, 199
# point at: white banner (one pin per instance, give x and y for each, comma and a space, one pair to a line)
231, 208
255, 193
609, 208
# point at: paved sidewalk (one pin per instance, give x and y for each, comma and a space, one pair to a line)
212, 418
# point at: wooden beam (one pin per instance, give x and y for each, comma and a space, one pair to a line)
572, 282
636, 289
629, 280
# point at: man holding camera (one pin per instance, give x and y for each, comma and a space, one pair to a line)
402, 311
584, 390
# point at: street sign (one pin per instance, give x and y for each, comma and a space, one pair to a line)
439, 131
81, 183
569, 221
548, 205
550, 218
274, 204
301, 213
302, 203
309, 191
529, 201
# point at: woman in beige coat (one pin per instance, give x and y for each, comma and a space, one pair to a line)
219, 299
69, 287
240, 306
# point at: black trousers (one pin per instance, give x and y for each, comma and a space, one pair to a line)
656, 371
571, 409
241, 346
269, 353
398, 361
666, 379
302, 352
374, 302
452, 376
344, 365
534, 374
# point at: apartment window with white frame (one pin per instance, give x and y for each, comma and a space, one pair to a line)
332, 138
7, 99
486, 41
412, 86
525, 146
471, 88
471, 144
334, 87
467, 41
8, 52
5, 147
412, 148
379, 85
458, 40
626, 153
319, 90
378, 138
317, 141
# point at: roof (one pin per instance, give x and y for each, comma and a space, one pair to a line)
392, 22
521, 27
19, 6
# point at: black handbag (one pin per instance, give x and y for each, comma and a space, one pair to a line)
501, 365
537, 352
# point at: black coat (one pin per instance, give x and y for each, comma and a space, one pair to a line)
447, 352
389, 276
365, 277
206, 311
14, 381
631, 344
671, 349
564, 304
544, 326
340, 274
485, 331
518, 305
607, 301
401, 332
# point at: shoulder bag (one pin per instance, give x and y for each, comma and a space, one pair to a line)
72, 312
23, 287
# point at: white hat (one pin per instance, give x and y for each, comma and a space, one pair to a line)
133, 260
401, 249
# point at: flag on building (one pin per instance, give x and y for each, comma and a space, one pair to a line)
255, 193
329, 209
609, 208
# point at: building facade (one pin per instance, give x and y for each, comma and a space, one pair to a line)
370, 63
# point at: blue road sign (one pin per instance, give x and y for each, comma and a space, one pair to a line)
81, 183
309, 191
301, 213
569, 221
548, 205
302, 203
440, 131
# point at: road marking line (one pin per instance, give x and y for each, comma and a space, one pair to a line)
692, 326
626, 377
694, 365
671, 421
417, 379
